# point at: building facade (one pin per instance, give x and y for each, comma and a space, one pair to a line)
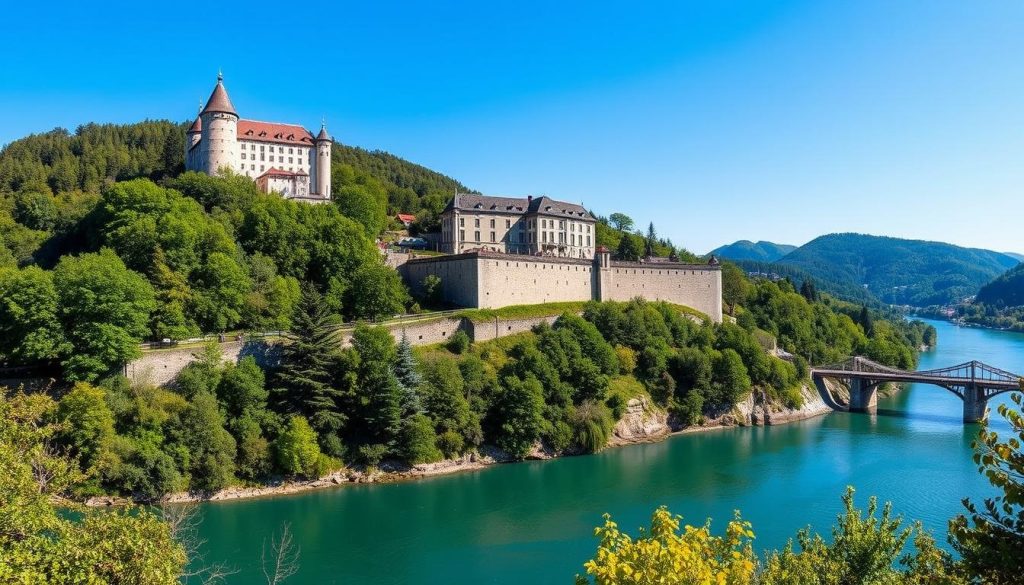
536, 226
490, 280
282, 158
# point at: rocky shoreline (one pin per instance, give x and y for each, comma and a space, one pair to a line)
642, 423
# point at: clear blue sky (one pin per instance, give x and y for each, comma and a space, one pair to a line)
719, 120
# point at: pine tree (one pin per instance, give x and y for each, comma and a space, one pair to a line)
652, 240
408, 378
866, 321
304, 384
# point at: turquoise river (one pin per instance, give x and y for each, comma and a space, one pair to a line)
533, 522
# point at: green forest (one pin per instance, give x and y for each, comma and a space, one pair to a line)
999, 304
881, 270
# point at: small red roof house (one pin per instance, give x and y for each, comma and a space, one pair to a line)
406, 218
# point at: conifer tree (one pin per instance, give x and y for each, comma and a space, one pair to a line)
380, 391
304, 384
408, 377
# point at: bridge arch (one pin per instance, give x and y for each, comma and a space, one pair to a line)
973, 382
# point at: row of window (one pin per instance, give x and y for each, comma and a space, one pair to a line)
573, 240
291, 150
279, 158
544, 223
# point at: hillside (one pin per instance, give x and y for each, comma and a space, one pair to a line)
1005, 291
758, 252
897, 271
1015, 256
95, 154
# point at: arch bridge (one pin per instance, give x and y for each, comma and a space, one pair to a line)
974, 382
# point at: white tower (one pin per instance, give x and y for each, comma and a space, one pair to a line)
323, 163
219, 122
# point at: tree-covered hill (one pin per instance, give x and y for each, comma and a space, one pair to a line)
1005, 291
758, 252
97, 154
898, 271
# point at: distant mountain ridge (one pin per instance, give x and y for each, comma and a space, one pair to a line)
898, 271
1007, 290
757, 252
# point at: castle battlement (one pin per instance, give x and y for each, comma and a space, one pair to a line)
490, 280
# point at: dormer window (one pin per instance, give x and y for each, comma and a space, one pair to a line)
548, 208
263, 133
478, 206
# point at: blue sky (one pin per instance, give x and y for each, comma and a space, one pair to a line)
717, 120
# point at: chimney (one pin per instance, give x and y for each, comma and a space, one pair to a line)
529, 199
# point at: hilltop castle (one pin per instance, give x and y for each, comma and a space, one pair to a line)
284, 158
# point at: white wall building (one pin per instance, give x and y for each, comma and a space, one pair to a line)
284, 158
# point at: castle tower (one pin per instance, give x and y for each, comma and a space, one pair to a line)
323, 163
192, 138
219, 127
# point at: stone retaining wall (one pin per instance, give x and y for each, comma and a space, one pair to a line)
161, 366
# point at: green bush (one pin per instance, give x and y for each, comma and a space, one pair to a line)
459, 343
373, 454
451, 444
617, 404
296, 448
558, 435
592, 426
418, 440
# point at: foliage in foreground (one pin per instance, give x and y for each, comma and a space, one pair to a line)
864, 549
991, 542
41, 543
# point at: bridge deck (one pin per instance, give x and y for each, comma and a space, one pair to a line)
912, 377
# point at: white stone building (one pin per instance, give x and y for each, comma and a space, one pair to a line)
284, 158
517, 225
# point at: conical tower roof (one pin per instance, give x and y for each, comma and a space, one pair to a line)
196, 126
323, 133
219, 100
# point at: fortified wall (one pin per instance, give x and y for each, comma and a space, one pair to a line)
490, 280
161, 366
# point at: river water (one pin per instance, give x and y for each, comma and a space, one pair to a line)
533, 522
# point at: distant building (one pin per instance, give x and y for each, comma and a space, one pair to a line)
538, 226
284, 158
405, 219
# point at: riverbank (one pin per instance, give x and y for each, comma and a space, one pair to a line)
642, 423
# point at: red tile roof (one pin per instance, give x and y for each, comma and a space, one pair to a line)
273, 132
276, 172
406, 217
219, 100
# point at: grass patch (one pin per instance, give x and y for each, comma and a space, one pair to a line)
522, 311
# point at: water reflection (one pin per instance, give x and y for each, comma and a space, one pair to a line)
532, 522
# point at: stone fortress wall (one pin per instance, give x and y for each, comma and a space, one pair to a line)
696, 286
161, 366
492, 280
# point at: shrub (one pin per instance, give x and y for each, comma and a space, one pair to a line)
617, 404
690, 409
459, 343
296, 448
558, 435
418, 440
627, 359
373, 454
450, 443
592, 426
